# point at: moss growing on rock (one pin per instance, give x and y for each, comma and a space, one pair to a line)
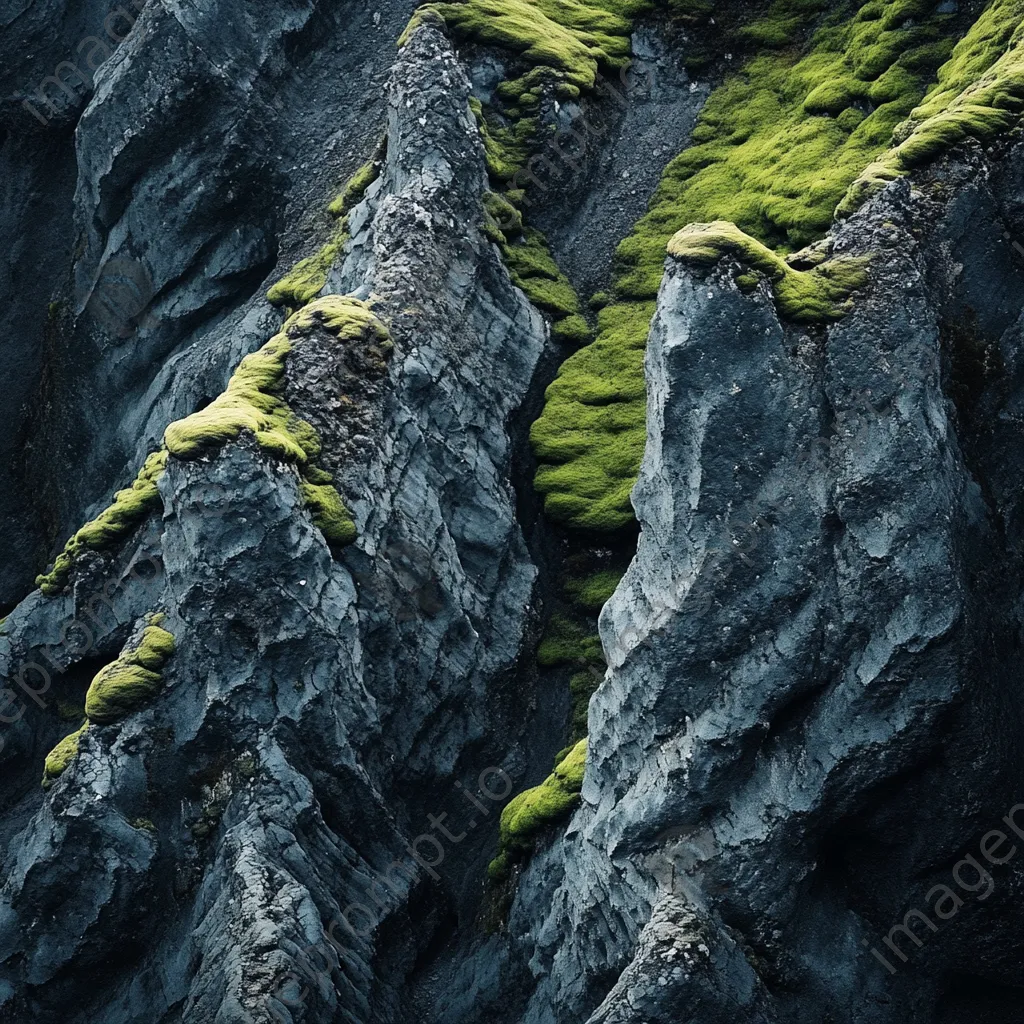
567, 643
307, 278
592, 592
60, 757
112, 525
252, 402
528, 814
804, 296
330, 515
770, 152
590, 437
132, 680
775, 148
573, 38
979, 94
357, 185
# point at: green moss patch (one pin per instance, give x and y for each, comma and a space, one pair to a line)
567, 643
574, 39
307, 278
775, 148
329, 513
528, 814
979, 94
252, 402
60, 757
590, 436
805, 296
131, 681
771, 150
111, 526
592, 592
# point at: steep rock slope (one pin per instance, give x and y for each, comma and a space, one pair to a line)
184, 860
153, 165
811, 711
287, 680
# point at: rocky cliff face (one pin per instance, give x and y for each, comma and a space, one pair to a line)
282, 688
809, 716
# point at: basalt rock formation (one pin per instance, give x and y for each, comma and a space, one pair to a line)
368, 700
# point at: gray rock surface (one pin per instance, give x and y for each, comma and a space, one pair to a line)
187, 864
169, 184
811, 714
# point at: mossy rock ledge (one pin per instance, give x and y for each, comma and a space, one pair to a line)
818, 295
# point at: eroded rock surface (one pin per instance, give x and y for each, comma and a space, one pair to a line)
185, 863
810, 713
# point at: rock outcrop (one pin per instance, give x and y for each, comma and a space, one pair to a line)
810, 715
186, 863
257, 732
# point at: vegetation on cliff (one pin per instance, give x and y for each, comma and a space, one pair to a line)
775, 148
307, 278
251, 402
113, 524
531, 812
979, 94
133, 679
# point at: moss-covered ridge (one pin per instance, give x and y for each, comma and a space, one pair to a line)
566, 43
129, 508
571, 37
979, 94
778, 144
252, 402
775, 148
533, 810
133, 679
804, 296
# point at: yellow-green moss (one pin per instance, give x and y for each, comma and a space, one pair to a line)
573, 38
307, 278
536, 809
771, 152
592, 592
979, 94
329, 512
115, 522
804, 296
60, 757
590, 437
132, 680
567, 643
357, 185
775, 148
252, 402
